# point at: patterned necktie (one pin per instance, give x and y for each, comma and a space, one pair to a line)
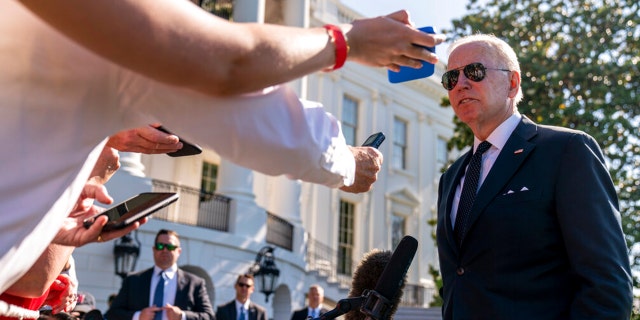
158, 297
469, 190
242, 314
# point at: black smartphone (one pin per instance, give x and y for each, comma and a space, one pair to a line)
374, 140
133, 209
188, 149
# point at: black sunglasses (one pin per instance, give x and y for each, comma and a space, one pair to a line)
244, 285
160, 246
474, 71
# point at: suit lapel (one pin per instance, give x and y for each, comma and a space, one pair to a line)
253, 313
512, 156
146, 278
181, 293
234, 310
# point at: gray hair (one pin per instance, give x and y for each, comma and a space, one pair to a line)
317, 287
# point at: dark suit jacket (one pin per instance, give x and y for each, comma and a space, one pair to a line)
544, 238
191, 296
304, 312
228, 311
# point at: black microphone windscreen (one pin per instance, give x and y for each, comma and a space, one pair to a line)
393, 276
368, 271
366, 276
384, 271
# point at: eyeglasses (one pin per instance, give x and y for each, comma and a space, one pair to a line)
474, 71
160, 246
244, 285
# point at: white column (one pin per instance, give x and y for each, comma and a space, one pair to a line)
296, 13
288, 198
130, 179
246, 219
286, 201
235, 181
284, 198
131, 163
248, 11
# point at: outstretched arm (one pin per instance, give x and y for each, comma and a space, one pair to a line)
42, 274
217, 57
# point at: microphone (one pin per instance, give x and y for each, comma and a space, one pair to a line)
388, 272
366, 277
383, 302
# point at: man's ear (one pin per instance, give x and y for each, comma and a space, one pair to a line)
514, 83
514, 80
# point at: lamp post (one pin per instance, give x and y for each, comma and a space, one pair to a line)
265, 272
126, 253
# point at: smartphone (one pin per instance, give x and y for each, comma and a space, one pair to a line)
188, 149
133, 209
374, 140
408, 74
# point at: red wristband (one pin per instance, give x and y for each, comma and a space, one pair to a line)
340, 42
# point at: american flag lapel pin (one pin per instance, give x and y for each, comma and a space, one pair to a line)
518, 151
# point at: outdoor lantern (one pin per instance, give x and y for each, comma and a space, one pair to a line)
265, 272
126, 252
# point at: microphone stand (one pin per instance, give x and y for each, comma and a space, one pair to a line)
371, 303
343, 306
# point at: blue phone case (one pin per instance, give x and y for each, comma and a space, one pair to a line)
408, 74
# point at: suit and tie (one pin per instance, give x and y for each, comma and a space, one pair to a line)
229, 311
191, 296
543, 239
305, 312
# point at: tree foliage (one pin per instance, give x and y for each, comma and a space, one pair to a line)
580, 61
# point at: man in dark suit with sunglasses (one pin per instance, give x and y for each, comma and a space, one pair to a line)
242, 308
528, 221
163, 292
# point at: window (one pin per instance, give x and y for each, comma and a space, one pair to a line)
345, 238
398, 229
349, 119
399, 155
209, 179
441, 152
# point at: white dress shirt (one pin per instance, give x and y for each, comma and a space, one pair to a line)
170, 289
498, 138
244, 306
311, 312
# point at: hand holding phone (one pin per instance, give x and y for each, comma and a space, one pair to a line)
188, 149
374, 140
133, 209
408, 74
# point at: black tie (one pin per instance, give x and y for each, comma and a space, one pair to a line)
469, 190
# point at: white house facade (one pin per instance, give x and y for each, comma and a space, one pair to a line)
226, 213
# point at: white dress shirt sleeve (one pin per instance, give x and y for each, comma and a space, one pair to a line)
271, 131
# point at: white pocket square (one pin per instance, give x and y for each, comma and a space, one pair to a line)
512, 192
